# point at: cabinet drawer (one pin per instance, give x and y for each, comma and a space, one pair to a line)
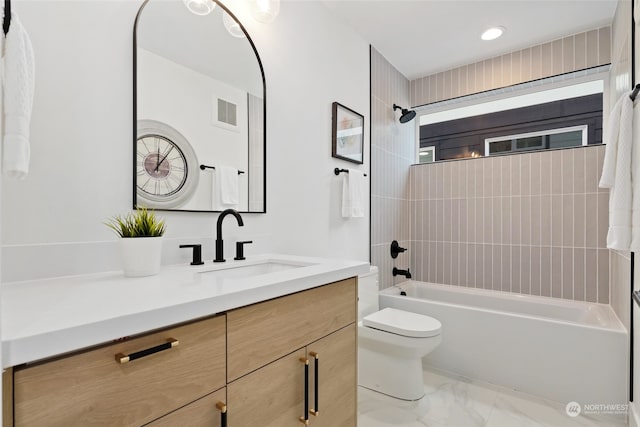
201, 413
93, 388
263, 332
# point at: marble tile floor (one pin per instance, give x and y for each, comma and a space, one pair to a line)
452, 401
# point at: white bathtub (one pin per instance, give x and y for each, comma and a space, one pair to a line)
557, 349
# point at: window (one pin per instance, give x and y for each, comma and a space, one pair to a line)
552, 138
427, 154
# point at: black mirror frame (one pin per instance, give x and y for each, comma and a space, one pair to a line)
135, 112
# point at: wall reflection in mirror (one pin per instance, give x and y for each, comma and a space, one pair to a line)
199, 99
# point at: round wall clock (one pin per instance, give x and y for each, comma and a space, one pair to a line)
166, 166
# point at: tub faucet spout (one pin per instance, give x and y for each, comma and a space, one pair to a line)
406, 273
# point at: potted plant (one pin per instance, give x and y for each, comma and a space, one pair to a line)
141, 243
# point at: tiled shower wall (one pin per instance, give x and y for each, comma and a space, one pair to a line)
392, 153
532, 223
572, 53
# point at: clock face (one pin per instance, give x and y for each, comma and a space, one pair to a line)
165, 166
161, 169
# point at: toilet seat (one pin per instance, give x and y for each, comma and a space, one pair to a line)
403, 323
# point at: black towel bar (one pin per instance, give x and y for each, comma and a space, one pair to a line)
337, 171
203, 167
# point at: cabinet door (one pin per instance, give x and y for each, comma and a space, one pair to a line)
272, 396
337, 379
263, 332
203, 412
99, 387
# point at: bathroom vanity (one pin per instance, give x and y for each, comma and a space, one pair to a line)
236, 346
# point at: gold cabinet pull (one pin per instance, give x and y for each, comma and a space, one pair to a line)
222, 407
126, 358
305, 418
316, 396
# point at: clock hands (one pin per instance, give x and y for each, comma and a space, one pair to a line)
164, 158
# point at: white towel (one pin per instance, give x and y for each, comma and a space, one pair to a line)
19, 75
353, 194
616, 173
227, 186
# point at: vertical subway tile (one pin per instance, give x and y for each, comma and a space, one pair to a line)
455, 264
471, 265
455, 220
525, 270
440, 220
455, 83
439, 180
463, 221
488, 221
604, 45
536, 270
603, 276
536, 223
496, 72
557, 57
505, 284
579, 221
488, 75
496, 267
600, 149
591, 274
592, 176
487, 282
580, 48
510, 62
568, 54
603, 219
534, 168
567, 273
567, 219
447, 84
439, 262
567, 170
546, 210
515, 269
507, 221
425, 90
505, 175
433, 88
447, 221
591, 220
440, 89
446, 273
556, 272
546, 166
545, 271
547, 59
496, 216
516, 175
579, 270
418, 88
516, 220
463, 253
471, 78
454, 167
556, 172
463, 80
525, 65
556, 220
525, 174
479, 80
592, 48
525, 220
464, 179
433, 261
579, 173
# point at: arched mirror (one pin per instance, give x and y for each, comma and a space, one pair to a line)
199, 110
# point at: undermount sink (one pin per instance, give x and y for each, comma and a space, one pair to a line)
241, 271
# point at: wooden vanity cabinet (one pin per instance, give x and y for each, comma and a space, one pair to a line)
94, 388
204, 412
268, 346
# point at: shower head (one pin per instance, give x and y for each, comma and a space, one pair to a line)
406, 116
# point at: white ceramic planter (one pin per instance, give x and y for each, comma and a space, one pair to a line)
141, 256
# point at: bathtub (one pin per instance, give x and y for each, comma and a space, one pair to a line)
557, 349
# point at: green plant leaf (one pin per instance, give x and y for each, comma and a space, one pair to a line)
141, 223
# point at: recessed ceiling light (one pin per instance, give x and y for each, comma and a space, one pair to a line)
492, 33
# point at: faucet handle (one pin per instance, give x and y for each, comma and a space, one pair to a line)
240, 249
197, 254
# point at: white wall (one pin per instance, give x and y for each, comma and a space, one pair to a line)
82, 131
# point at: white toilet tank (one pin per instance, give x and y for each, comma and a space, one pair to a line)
368, 293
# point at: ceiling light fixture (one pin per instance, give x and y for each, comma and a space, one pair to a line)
265, 11
232, 26
200, 7
492, 33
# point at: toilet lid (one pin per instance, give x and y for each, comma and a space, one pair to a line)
403, 323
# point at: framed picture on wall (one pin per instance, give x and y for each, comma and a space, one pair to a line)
347, 134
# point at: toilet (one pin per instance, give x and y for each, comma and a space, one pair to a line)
392, 343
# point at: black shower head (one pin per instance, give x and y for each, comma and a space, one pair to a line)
406, 116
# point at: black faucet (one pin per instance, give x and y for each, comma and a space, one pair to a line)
219, 241
406, 273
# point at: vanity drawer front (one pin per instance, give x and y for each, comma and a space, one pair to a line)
204, 412
93, 388
263, 332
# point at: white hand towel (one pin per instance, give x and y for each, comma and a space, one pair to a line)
228, 185
353, 194
616, 173
19, 77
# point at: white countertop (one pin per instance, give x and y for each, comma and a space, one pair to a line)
43, 318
